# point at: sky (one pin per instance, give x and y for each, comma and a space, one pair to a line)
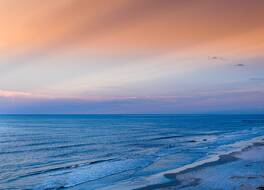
131, 56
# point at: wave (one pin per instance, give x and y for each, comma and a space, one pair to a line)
101, 170
96, 171
51, 148
234, 148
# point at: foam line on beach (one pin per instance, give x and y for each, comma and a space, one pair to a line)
170, 175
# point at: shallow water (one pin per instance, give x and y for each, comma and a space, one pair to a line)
54, 151
245, 173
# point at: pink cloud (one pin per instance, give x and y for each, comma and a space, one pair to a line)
6, 93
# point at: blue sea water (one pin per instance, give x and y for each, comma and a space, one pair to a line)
99, 151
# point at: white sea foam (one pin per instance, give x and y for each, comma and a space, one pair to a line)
233, 148
81, 175
160, 177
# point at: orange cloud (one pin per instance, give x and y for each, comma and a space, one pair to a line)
113, 25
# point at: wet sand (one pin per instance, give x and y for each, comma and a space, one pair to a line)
241, 170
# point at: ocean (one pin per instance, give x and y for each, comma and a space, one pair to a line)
113, 151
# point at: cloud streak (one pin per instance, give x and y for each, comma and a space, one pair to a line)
7, 94
152, 24
235, 102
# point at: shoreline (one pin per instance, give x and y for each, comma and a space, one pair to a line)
174, 176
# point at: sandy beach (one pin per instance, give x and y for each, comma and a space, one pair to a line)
241, 170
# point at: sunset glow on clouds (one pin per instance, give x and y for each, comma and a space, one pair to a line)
131, 56
4, 93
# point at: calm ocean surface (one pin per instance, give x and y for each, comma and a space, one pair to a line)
99, 151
